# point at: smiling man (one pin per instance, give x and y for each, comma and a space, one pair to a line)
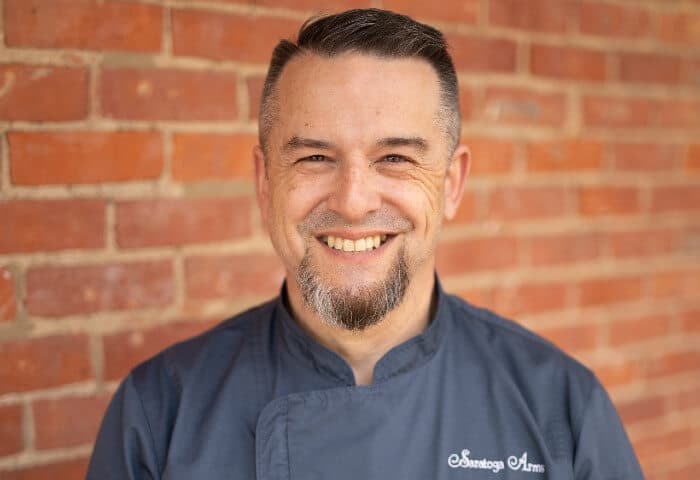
363, 367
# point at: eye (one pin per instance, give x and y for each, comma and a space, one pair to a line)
314, 158
393, 158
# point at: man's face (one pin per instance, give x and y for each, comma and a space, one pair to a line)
358, 176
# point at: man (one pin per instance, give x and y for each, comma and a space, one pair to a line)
363, 367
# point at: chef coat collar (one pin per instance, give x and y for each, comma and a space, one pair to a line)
402, 358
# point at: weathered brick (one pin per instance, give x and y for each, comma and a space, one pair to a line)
650, 68
604, 291
572, 338
606, 111
564, 155
36, 225
67, 290
597, 18
608, 200
482, 54
224, 36
43, 93
681, 28
476, 254
152, 222
564, 248
8, 302
535, 15
11, 436
636, 330
232, 276
530, 298
65, 470
647, 156
644, 242
527, 203
213, 156
490, 156
149, 94
123, 351
39, 363
40, 158
84, 24
56, 425
674, 198
504, 106
572, 63
461, 11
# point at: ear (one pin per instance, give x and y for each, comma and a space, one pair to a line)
454, 180
261, 186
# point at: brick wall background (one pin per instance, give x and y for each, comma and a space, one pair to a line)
127, 218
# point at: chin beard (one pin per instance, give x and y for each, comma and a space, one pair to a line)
356, 308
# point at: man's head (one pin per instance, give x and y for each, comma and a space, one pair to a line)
359, 165
373, 32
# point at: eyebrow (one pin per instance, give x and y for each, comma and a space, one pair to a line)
297, 142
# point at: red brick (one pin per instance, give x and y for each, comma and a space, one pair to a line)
650, 68
143, 223
504, 106
674, 113
685, 400
674, 363
614, 20
321, 5
148, 94
568, 248
56, 425
530, 298
224, 36
621, 372
481, 54
604, 291
65, 470
645, 408
84, 24
482, 297
568, 63
255, 88
11, 437
693, 161
461, 11
574, 338
643, 243
213, 156
468, 211
40, 158
639, 329
43, 93
536, 15
602, 111
675, 198
39, 363
662, 443
34, 225
564, 155
475, 254
8, 302
466, 102
527, 203
123, 351
680, 28
646, 156
691, 323
232, 276
679, 283
490, 156
608, 200
55, 291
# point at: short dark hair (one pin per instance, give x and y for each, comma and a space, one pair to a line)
369, 31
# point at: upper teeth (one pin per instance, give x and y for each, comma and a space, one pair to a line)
347, 245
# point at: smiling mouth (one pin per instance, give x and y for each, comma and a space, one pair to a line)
361, 245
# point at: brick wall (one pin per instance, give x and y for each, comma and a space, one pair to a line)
127, 218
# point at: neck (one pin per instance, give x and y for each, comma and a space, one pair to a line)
362, 350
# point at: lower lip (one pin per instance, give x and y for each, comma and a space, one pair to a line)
358, 255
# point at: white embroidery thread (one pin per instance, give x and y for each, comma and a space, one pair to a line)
514, 463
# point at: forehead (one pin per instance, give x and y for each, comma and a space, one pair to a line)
355, 98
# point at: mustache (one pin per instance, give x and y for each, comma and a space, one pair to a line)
386, 220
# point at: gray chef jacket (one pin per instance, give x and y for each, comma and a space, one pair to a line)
475, 396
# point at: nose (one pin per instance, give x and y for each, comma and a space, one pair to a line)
355, 192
